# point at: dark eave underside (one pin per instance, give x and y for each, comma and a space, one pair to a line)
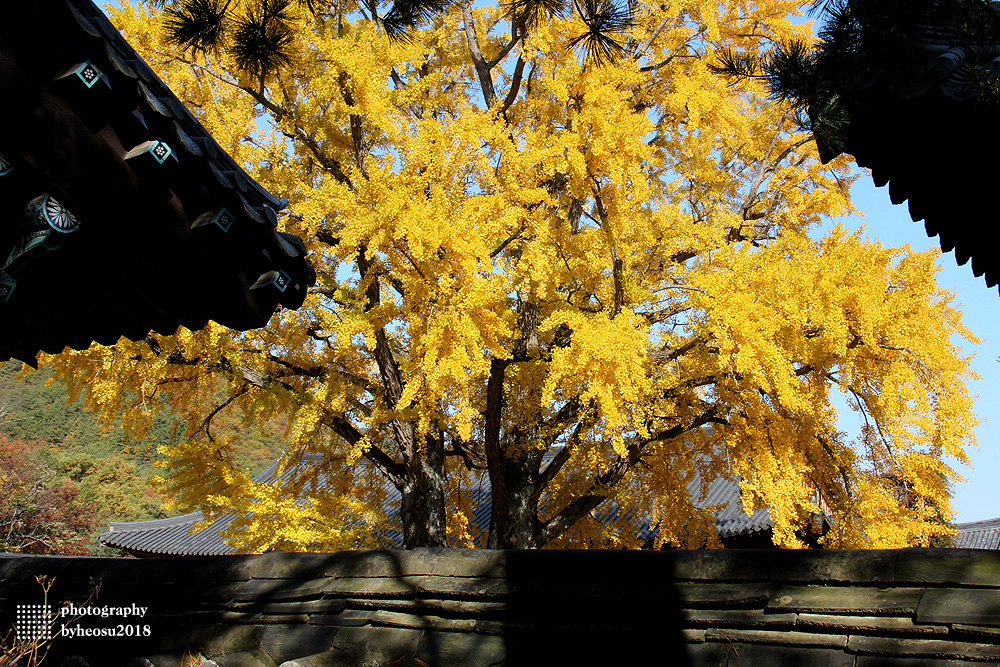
145, 256
939, 155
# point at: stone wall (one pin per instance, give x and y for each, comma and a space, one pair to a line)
475, 607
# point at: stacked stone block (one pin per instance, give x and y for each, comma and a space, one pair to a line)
446, 608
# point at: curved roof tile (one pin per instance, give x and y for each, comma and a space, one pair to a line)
978, 534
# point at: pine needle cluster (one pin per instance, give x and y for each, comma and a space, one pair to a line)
259, 33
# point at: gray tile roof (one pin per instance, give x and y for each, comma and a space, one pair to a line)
173, 536
978, 534
731, 520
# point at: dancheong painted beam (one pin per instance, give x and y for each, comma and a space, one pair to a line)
119, 214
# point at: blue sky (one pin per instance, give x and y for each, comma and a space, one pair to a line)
978, 497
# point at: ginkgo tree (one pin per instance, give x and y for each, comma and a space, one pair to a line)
555, 250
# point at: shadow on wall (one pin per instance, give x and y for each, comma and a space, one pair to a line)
447, 608
593, 607
472, 608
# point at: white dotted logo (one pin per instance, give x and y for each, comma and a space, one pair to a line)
34, 621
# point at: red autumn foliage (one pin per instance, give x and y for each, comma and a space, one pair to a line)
38, 514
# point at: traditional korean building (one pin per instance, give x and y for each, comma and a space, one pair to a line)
176, 536
119, 214
915, 101
978, 534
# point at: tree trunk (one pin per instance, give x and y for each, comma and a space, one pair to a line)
513, 465
422, 509
514, 520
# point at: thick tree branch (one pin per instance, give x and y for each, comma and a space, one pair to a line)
491, 432
206, 425
482, 67
357, 124
670, 354
596, 493
567, 414
515, 86
392, 379
515, 37
513, 237
617, 265
393, 470
639, 52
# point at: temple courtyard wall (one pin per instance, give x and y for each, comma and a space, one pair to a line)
457, 607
